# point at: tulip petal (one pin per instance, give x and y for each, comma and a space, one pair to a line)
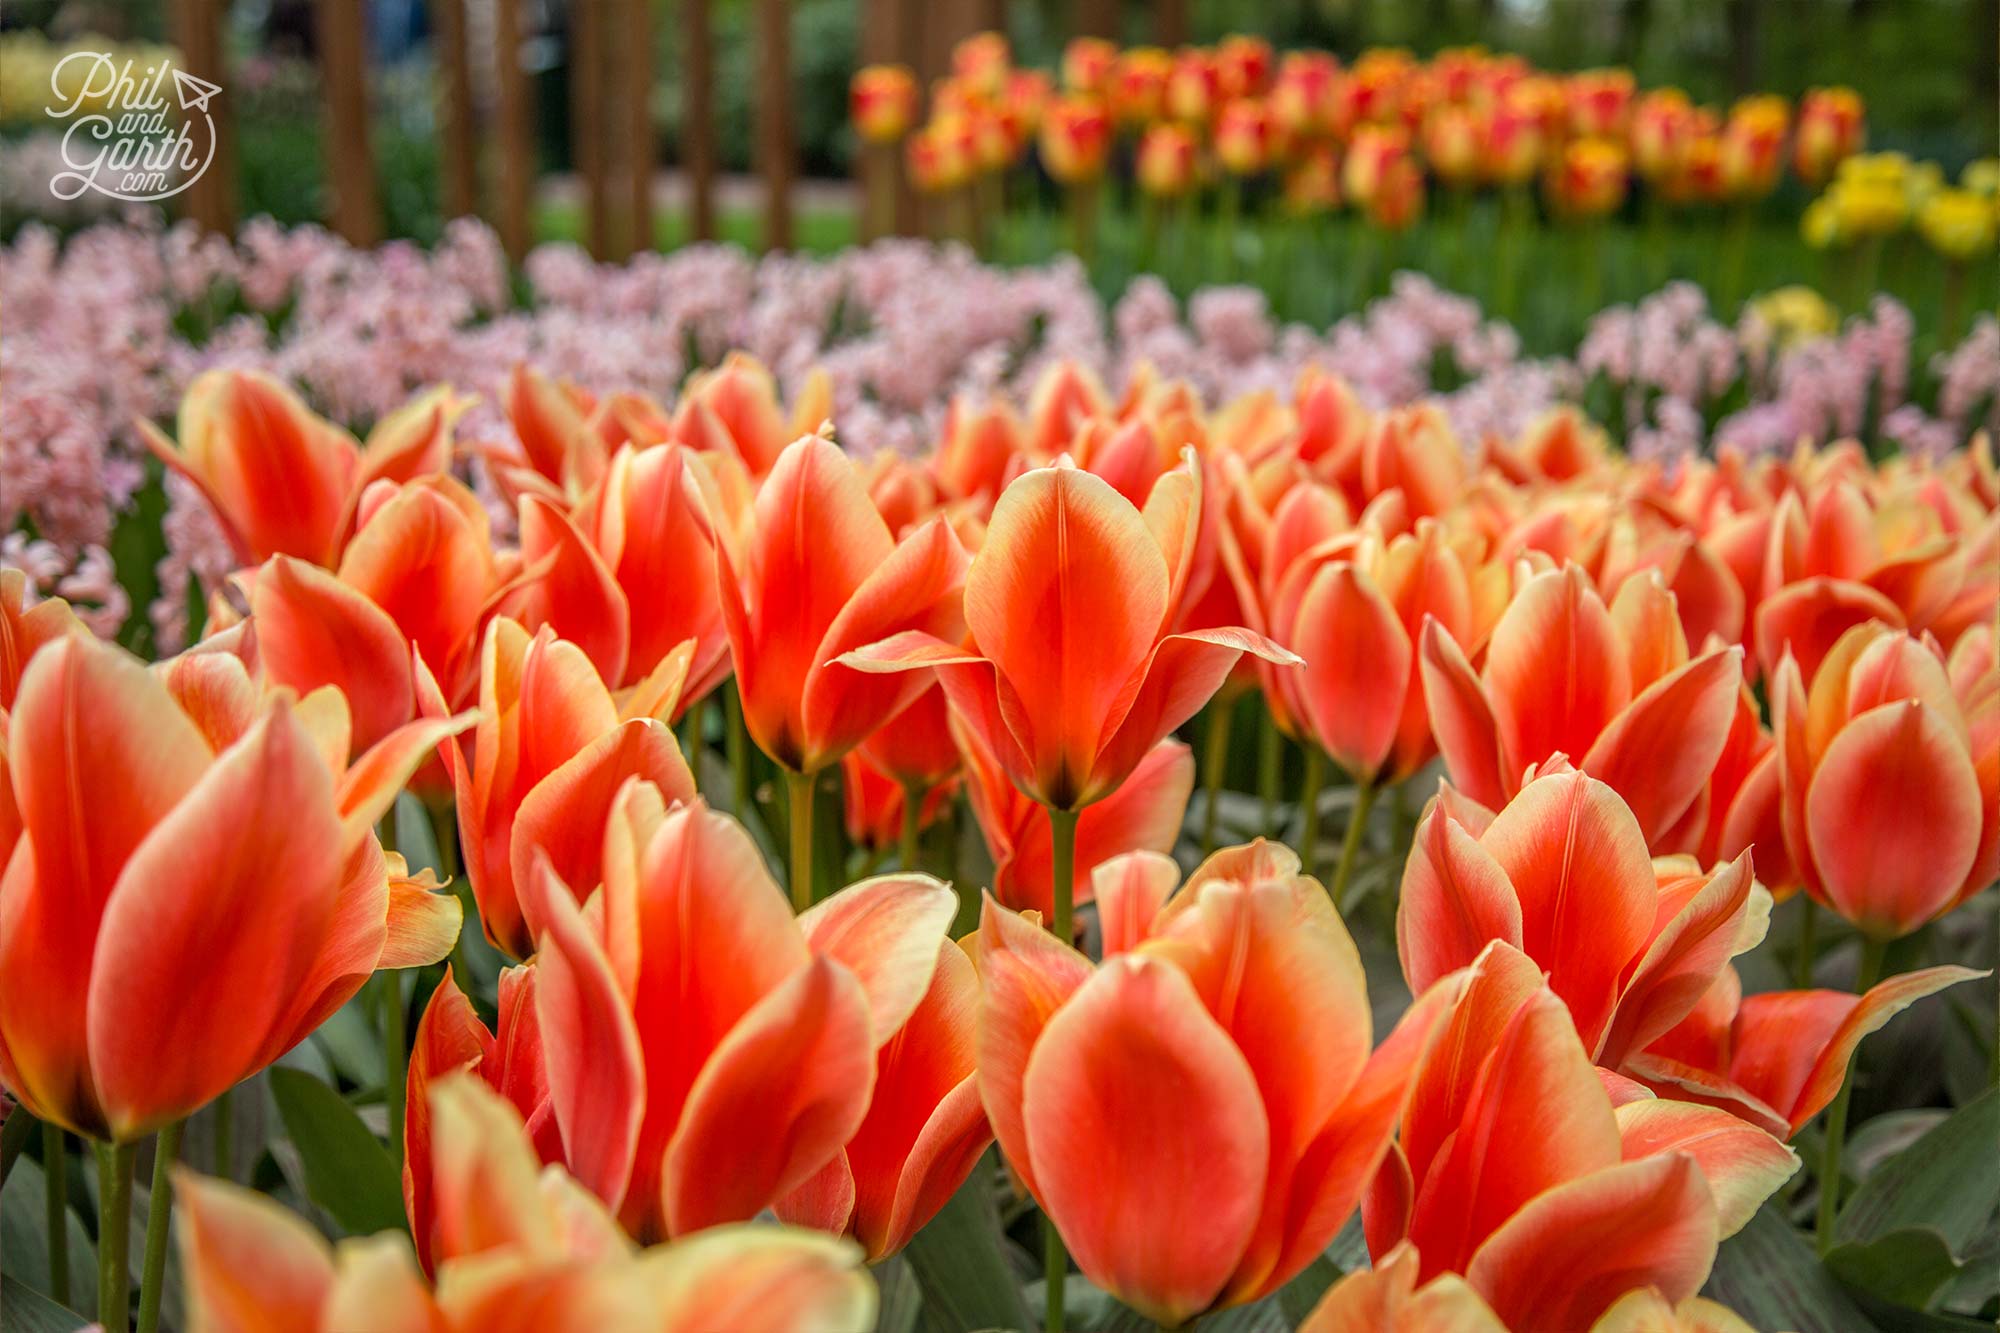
1677, 1080
1578, 864
367, 790
1743, 1165
449, 1039
597, 1080
251, 1265
1026, 976
757, 1279
1182, 675
208, 938
426, 561
97, 756
423, 919
1890, 866
886, 931
1556, 672
568, 588
1793, 1047
1681, 963
1646, 1311
1538, 1075
1357, 668
1067, 598
1569, 1253
1129, 891
563, 816
1385, 1299
918, 586
376, 1287
1135, 1082
1348, 1154
1808, 617
1659, 752
314, 630
484, 1176
1455, 899
925, 1126
825, 1202
785, 1089
1462, 719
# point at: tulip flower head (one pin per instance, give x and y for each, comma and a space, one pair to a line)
1075, 139
1588, 1199
1072, 674
1198, 1115
521, 1249
134, 926
708, 1055
883, 101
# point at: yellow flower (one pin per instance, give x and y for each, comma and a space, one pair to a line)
1869, 206
1982, 177
1795, 315
1819, 226
1959, 224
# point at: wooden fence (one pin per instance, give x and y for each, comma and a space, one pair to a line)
487, 146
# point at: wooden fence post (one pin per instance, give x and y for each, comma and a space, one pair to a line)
774, 119
639, 109
457, 148
341, 29
197, 31
587, 122
698, 118
517, 145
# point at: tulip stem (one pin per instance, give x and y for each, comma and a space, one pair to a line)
914, 793
1214, 759
1062, 866
799, 799
1055, 1270
159, 1218
395, 1059
1350, 845
225, 1122
1802, 962
114, 1234
1270, 759
1872, 951
1309, 808
737, 741
55, 1190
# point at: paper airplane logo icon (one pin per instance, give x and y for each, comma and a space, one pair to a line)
194, 93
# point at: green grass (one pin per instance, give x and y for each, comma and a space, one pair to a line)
1317, 271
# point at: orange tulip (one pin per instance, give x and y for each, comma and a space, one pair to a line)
1451, 144
1387, 1299
193, 869
707, 1054
1600, 100
1513, 142
520, 1252
913, 755
1753, 142
1075, 139
1370, 157
1168, 161
1881, 715
26, 629
1662, 126
640, 547
1072, 675
1775, 1059
925, 1126
549, 753
1144, 814
1087, 66
1306, 97
1354, 607
883, 102
873, 802
1242, 65
980, 62
1245, 137
822, 576
1562, 873
1830, 131
979, 452
559, 455
1312, 183
1586, 1201
1199, 1115
1139, 85
413, 584
282, 480
734, 410
1648, 721
1587, 179
1194, 86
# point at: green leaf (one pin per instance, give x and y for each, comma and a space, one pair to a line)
1945, 1180
1979, 1279
351, 1040
24, 1239
1907, 1267
902, 1299
25, 1310
1768, 1273
416, 839
960, 1263
347, 1170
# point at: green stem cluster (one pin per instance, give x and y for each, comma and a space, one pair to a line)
1872, 952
